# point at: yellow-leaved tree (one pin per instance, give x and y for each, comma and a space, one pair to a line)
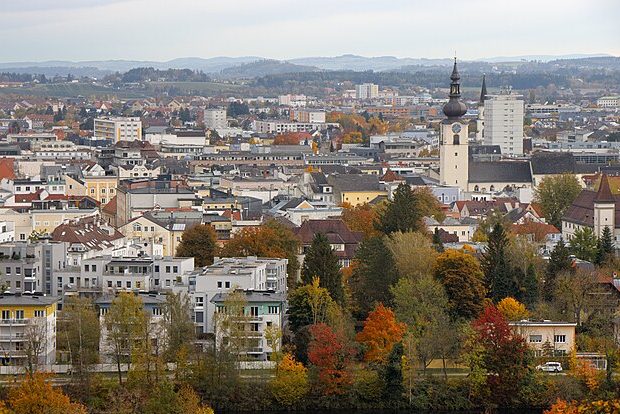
512, 309
291, 382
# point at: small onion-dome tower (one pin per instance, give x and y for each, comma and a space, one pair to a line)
455, 109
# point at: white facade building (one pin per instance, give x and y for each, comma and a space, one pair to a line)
503, 122
246, 273
118, 129
215, 118
366, 91
608, 102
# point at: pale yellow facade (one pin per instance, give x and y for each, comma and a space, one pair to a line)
143, 229
102, 189
355, 198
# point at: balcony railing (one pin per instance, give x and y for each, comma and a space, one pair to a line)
14, 321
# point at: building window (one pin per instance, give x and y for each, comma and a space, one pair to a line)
6, 314
19, 314
109, 283
273, 310
87, 268
536, 338
175, 269
167, 269
559, 339
227, 285
94, 268
119, 284
156, 268
219, 284
39, 313
199, 301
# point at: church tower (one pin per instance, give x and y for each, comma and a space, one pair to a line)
480, 120
453, 139
604, 208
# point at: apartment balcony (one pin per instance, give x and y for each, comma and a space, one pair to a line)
19, 322
12, 338
12, 353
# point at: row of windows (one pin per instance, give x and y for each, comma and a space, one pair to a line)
19, 314
558, 339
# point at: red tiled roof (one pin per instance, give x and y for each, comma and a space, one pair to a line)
7, 168
110, 207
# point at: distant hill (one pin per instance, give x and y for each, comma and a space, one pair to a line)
263, 68
254, 66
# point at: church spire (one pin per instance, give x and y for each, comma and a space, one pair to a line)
483, 90
454, 109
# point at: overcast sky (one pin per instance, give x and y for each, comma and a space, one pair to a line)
37, 30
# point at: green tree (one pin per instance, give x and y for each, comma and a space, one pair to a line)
308, 305
499, 277
584, 244
198, 242
321, 262
555, 194
373, 274
605, 249
78, 334
462, 279
530, 292
559, 261
124, 322
402, 213
413, 254
179, 328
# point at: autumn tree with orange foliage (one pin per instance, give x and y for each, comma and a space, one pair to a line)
381, 332
360, 218
289, 138
331, 356
585, 407
35, 394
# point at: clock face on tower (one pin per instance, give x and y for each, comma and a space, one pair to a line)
456, 128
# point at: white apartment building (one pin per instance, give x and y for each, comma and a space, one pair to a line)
608, 102
262, 312
279, 127
503, 123
308, 115
118, 129
215, 118
366, 91
245, 273
292, 100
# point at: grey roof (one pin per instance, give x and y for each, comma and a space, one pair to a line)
553, 163
500, 171
253, 296
26, 300
355, 182
147, 299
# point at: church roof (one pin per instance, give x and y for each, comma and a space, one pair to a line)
483, 90
604, 195
582, 210
500, 172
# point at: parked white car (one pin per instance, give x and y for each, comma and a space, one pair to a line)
550, 367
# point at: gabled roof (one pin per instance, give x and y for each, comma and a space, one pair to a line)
88, 231
354, 182
110, 207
